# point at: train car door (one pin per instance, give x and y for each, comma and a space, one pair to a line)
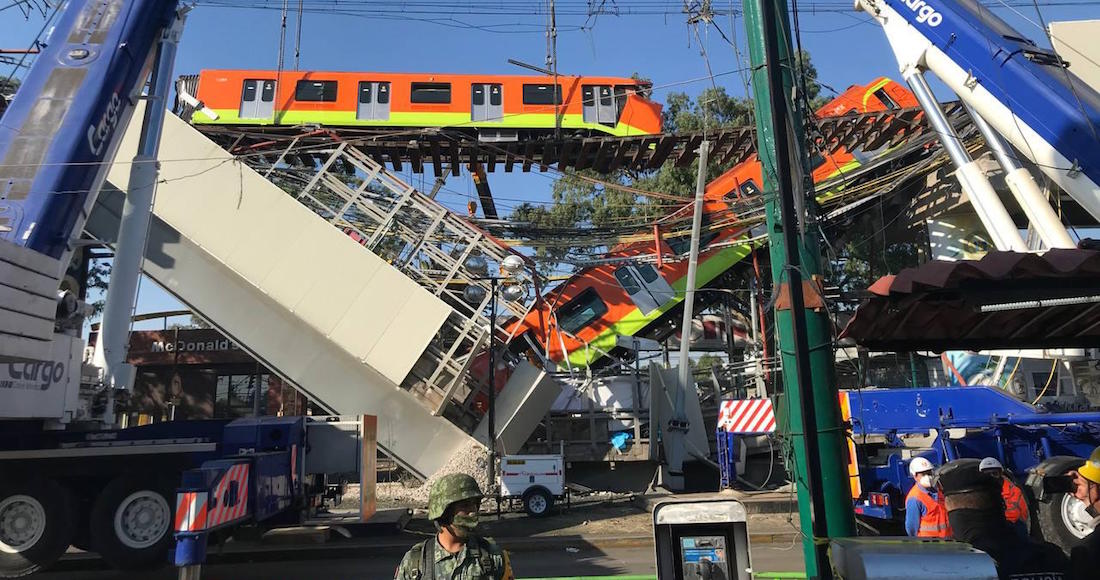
257, 99
486, 102
374, 101
599, 104
631, 282
655, 283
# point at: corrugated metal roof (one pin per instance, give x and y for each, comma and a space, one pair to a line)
1004, 300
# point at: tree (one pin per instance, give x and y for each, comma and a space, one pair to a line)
99, 274
199, 322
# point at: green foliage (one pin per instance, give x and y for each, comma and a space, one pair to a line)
705, 362
99, 274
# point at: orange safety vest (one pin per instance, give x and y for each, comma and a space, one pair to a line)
933, 523
1015, 504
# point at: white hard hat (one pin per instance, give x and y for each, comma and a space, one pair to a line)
990, 463
919, 465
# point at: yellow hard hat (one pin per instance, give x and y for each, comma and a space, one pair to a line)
1091, 469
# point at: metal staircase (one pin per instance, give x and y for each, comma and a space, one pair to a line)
339, 276
425, 241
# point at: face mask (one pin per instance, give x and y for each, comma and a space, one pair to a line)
464, 524
925, 481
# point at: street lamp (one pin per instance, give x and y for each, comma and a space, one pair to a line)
514, 289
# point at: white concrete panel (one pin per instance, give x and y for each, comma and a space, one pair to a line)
290, 279
360, 338
346, 270
272, 240
389, 356
314, 363
522, 403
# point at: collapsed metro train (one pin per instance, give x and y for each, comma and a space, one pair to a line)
576, 324
498, 107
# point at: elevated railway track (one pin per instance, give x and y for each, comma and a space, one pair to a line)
445, 149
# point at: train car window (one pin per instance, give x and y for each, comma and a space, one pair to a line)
267, 94
494, 95
605, 96
626, 278
649, 273
479, 94
581, 311
319, 91
750, 189
682, 244
886, 100
542, 94
365, 93
816, 160
249, 93
383, 93
437, 93
621, 91
588, 96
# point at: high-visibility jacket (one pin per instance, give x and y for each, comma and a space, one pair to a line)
933, 522
1015, 503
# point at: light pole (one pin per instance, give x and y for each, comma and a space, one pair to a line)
514, 289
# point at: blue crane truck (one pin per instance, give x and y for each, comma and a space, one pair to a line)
892, 426
68, 475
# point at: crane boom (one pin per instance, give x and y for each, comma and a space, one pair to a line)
1022, 90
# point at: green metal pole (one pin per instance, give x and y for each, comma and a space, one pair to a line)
805, 337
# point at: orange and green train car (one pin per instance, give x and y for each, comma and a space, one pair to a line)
497, 107
578, 322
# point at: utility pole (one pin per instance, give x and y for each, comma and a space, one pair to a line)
298, 40
552, 63
805, 340
677, 426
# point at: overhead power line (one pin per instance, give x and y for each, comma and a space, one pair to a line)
539, 8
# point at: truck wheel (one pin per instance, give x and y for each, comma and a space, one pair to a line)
131, 523
537, 502
37, 522
1063, 520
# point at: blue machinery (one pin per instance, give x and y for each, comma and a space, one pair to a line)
258, 479
61, 132
1017, 92
958, 422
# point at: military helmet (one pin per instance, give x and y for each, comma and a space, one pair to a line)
451, 489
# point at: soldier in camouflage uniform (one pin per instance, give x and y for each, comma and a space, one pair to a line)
456, 552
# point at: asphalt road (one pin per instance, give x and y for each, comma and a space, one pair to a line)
556, 562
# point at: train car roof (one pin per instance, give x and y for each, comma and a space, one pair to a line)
434, 75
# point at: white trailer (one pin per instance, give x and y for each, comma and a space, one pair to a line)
537, 480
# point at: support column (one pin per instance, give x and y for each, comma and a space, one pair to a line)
805, 337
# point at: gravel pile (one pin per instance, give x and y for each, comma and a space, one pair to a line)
472, 459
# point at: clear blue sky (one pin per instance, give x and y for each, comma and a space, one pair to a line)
846, 49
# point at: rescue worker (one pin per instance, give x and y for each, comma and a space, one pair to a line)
976, 513
925, 515
1085, 556
1016, 511
456, 552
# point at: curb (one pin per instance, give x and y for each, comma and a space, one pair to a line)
243, 553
